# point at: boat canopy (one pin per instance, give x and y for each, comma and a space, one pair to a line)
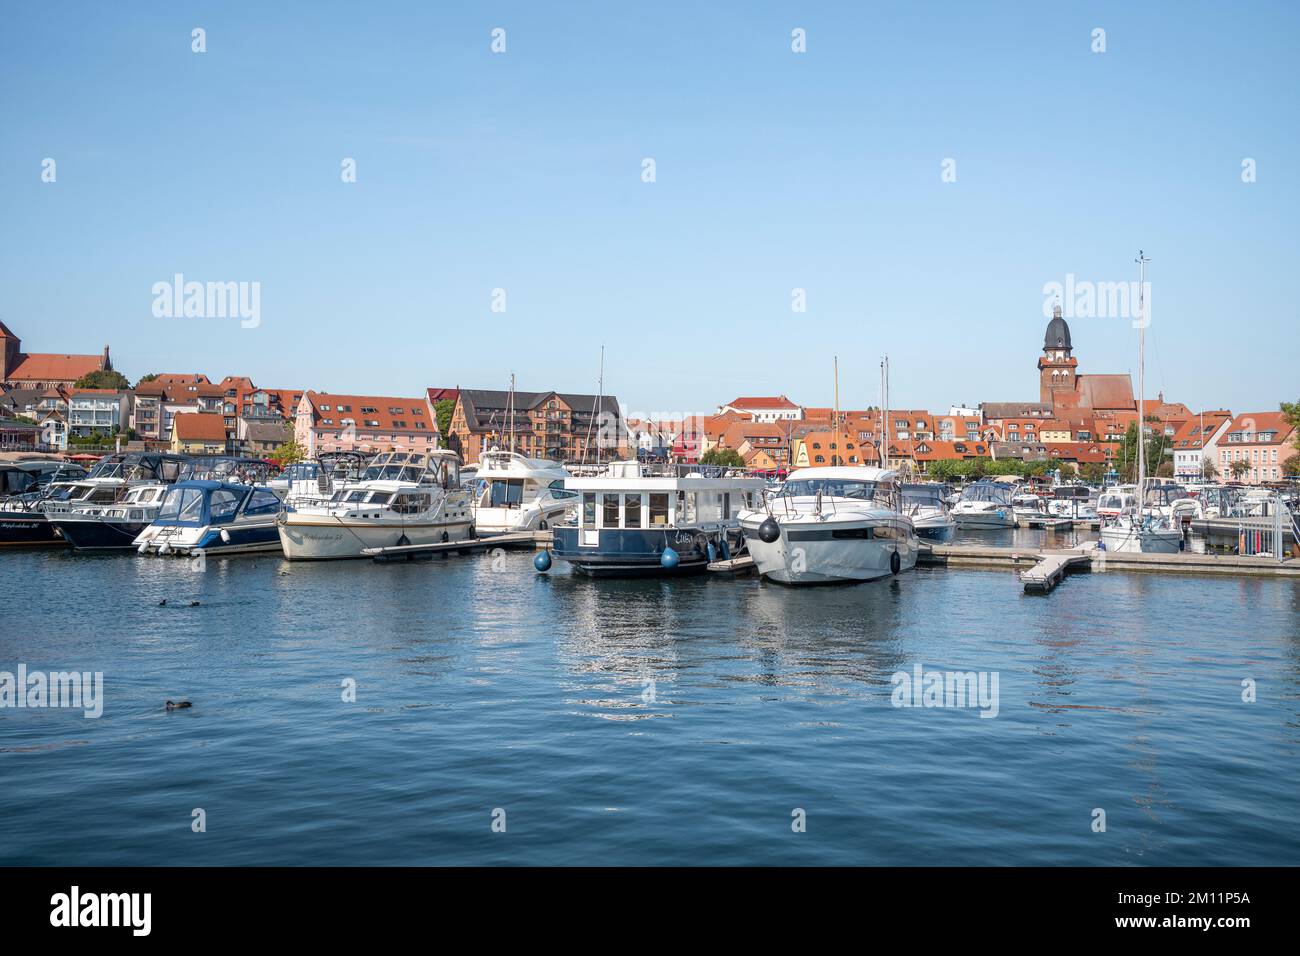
204, 502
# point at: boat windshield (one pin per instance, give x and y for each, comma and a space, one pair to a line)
1164, 495
110, 466
930, 495
393, 472
182, 504
829, 488
990, 492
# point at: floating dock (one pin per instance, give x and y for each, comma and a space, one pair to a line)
424, 552
1044, 568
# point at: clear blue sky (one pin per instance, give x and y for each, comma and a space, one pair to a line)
774, 171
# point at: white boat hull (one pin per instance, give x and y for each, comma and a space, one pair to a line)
997, 518
797, 558
324, 538
1121, 539
494, 521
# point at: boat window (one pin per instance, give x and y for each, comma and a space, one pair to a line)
589, 509
658, 510
609, 511
685, 507
182, 504
631, 511
830, 488
224, 504
856, 533
507, 493
102, 495
380, 497
557, 489
263, 503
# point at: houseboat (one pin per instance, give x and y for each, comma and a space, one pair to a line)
642, 519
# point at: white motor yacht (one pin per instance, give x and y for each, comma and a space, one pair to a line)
401, 498
516, 493
931, 517
832, 524
1144, 528
985, 504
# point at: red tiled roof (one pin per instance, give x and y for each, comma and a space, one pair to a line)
441, 394
1105, 391
1256, 422
409, 410
40, 367
199, 426
761, 401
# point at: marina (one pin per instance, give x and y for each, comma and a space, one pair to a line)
606, 715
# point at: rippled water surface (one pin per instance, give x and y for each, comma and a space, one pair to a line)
642, 722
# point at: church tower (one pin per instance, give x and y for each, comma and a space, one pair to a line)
1057, 366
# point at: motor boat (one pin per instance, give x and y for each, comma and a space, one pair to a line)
1116, 500
1145, 528
401, 498
111, 525
214, 518
85, 512
1029, 507
832, 524
639, 519
26, 486
516, 493
315, 480
985, 504
1072, 501
931, 517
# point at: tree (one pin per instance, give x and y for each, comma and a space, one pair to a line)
102, 378
146, 378
1208, 469
1067, 471
290, 453
1094, 472
727, 457
442, 411
1239, 468
1291, 466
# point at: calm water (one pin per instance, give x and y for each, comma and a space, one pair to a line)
482, 685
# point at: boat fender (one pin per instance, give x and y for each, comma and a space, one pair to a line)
769, 531
895, 563
404, 540
542, 525
712, 552
726, 548
669, 559
445, 536
225, 536
543, 561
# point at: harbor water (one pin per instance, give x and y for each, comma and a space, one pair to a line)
692, 721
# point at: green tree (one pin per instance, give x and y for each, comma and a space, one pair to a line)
1239, 468
442, 411
1291, 466
727, 457
146, 378
290, 453
102, 378
1208, 469
1094, 472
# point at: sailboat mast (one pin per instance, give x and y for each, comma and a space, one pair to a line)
835, 422
1142, 261
512, 412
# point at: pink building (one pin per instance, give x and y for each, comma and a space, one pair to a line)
1263, 441
368, 423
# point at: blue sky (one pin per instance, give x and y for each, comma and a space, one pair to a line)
774, 171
